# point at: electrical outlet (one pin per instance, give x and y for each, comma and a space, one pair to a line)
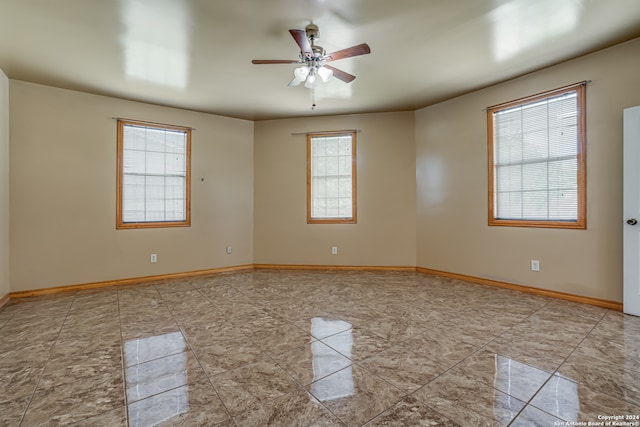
535, 265
229, 249
154, 258
334, 250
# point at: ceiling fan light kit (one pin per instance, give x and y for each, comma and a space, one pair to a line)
313, 59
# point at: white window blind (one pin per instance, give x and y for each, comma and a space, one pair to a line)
154, 174
536, 147
331, 174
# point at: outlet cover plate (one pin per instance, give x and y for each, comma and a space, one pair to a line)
535, 265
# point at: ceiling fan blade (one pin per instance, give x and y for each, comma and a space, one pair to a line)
361, 49
274, 61
300, 36
341, 75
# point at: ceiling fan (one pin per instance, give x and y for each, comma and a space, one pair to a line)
313, 59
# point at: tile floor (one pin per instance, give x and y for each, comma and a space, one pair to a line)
293, 348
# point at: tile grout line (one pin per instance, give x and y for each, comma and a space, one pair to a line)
44, 368
565, 360
481, 348
298, 385
123, 375
555, 372
195, 355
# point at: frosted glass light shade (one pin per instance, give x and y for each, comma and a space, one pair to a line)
325, 74
311, 82
301, 73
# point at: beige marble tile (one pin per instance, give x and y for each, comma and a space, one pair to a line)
18, 381
354, 395
624, 353
311, 362
68, 403
621, 331
25, 353
573, 401
472, 328
410, 412
206, 335
296, 408
29, 333
113, 418
572, 327
239, 311
469, 402
533, 417
256, 322
225, 294
509, 376
148, 328
11, 411
141, 297
357, 344
208, 281
545, 351
406, 369
74, 347
160, 375
140, 350
173, 286
96, 299
568, 310
44, 304
99, 322
195, 404
394, 329
136, 290
322, 326
602, 377
185, 300
440, 345
250, 385
283, 338
225, 355
140, 309
616, 323
254, 335
92, 371
201, 318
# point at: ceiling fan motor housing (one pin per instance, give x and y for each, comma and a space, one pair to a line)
312, 31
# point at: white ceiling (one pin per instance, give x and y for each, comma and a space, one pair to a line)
196, 54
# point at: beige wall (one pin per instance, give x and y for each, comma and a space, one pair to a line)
63, 165
422, 190
451, 174
4, 185
385, 232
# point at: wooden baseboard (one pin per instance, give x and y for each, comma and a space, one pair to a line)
528, 289
132, 281
138, 280
5, 299
330, 267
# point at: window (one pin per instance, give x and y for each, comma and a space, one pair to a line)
537, 160
331, 178
153, 177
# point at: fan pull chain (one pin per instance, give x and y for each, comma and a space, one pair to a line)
313, 98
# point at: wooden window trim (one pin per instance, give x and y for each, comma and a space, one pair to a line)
119, 178
354, 209
581, 222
